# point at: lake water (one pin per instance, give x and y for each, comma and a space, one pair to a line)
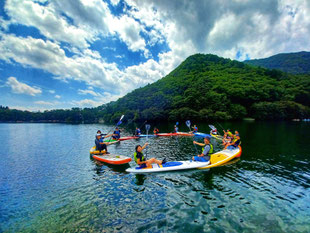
49, 183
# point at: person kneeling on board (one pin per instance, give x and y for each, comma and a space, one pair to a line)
100, 144
235, 142
207, 150
140, 159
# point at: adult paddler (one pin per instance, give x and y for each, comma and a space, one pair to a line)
207, 150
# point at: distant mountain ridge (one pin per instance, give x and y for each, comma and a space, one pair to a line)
293, 63
204, 87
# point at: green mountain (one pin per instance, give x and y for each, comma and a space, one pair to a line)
294, 63
203, 87
209, 87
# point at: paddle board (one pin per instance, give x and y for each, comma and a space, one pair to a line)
168, 166
198, 134
112, 159
149, 135
219, 137
222, 157
128, 138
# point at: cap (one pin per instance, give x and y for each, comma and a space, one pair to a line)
207, 137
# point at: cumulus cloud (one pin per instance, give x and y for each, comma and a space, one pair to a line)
236, 28
22, 88
41, 102
257, 28
57, 96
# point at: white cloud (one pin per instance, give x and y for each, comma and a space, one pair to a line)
114, 2
22, 88
86, 103
44, 103
52, 91
57, 96
90, 92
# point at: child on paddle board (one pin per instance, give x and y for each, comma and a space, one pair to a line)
155, 131
235, 142
137, 132
140, 159
176, 129
100, 144
195, 129
116, 134
207, 150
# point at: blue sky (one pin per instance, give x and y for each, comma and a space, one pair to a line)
78, 53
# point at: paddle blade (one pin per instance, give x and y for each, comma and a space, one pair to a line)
188, 123
147, 127
177, 123
118, 123
212, 126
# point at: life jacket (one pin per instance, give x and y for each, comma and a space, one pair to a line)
210, 151
236, 142
136, 159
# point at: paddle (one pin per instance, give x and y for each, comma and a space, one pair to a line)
147, 128
118, 123
188, 123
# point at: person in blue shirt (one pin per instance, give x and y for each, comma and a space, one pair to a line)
207, 150
116, 134
100, 144
137, 132
195, 128
176, 129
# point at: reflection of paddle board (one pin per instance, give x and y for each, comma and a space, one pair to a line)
169, 166
223, 156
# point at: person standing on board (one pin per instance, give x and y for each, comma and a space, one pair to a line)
207, 150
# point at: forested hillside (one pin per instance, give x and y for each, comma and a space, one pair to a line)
203, 87
294, 63
209, 87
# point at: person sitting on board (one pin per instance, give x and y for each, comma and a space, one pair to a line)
195, 129
116, 134
140, 159
137, 132
176, 129
207, 150
100, 144
235, 142
155, 131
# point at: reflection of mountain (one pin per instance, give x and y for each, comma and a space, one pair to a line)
294, 63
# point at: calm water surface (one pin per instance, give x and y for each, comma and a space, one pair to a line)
48, 183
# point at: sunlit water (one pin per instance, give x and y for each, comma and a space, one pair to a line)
49, 183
